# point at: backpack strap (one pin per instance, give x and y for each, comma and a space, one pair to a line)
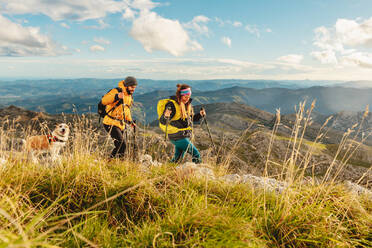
116, 105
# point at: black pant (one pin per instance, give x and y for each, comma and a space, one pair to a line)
118, 136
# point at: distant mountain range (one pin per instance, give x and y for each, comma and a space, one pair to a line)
357, 84
66, 95
146, 85
56, 96
329, 100
61, 95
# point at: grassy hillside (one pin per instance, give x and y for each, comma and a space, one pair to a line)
87, 201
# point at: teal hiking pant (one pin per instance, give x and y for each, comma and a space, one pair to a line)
182, 146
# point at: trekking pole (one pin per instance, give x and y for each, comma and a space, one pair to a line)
135, 147
124, 121
166, 125
209, 132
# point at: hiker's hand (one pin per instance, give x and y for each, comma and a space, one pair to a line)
202, 112
167, 113
121, 95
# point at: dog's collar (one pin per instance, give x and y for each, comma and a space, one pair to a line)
52, 138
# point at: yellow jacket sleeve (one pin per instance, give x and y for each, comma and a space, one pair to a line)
110, 97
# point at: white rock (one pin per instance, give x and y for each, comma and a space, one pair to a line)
145, 158
264, 182
146, 161
231, 178
187, 165
199, 170
206, 172
357, 189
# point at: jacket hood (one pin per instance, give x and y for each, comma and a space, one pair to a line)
121, 85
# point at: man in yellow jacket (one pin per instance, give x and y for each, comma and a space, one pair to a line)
118, 102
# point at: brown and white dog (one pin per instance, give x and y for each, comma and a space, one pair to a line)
52, 143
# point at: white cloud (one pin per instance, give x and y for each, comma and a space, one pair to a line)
77, 50
101, 25
226, 41
253, 30
228, 22
102, 41
237, 24
325, 57
291, 58
174, 68
358, 59
279, 67
243, 64
129, 14
65, 9
339, 44
219, 21
268, 30
325, 40
65, 25
158, 33
166, 68
198, 23
97, 48
352, 33
143, 4
200, 18
16, 40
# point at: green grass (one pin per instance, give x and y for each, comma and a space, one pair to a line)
65, 206
318, 146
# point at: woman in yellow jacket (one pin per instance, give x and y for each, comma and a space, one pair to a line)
180, 115
118, 102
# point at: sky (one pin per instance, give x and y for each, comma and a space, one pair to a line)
186, 39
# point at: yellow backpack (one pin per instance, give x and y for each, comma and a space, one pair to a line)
161, 108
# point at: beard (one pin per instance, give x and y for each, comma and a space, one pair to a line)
130, 92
